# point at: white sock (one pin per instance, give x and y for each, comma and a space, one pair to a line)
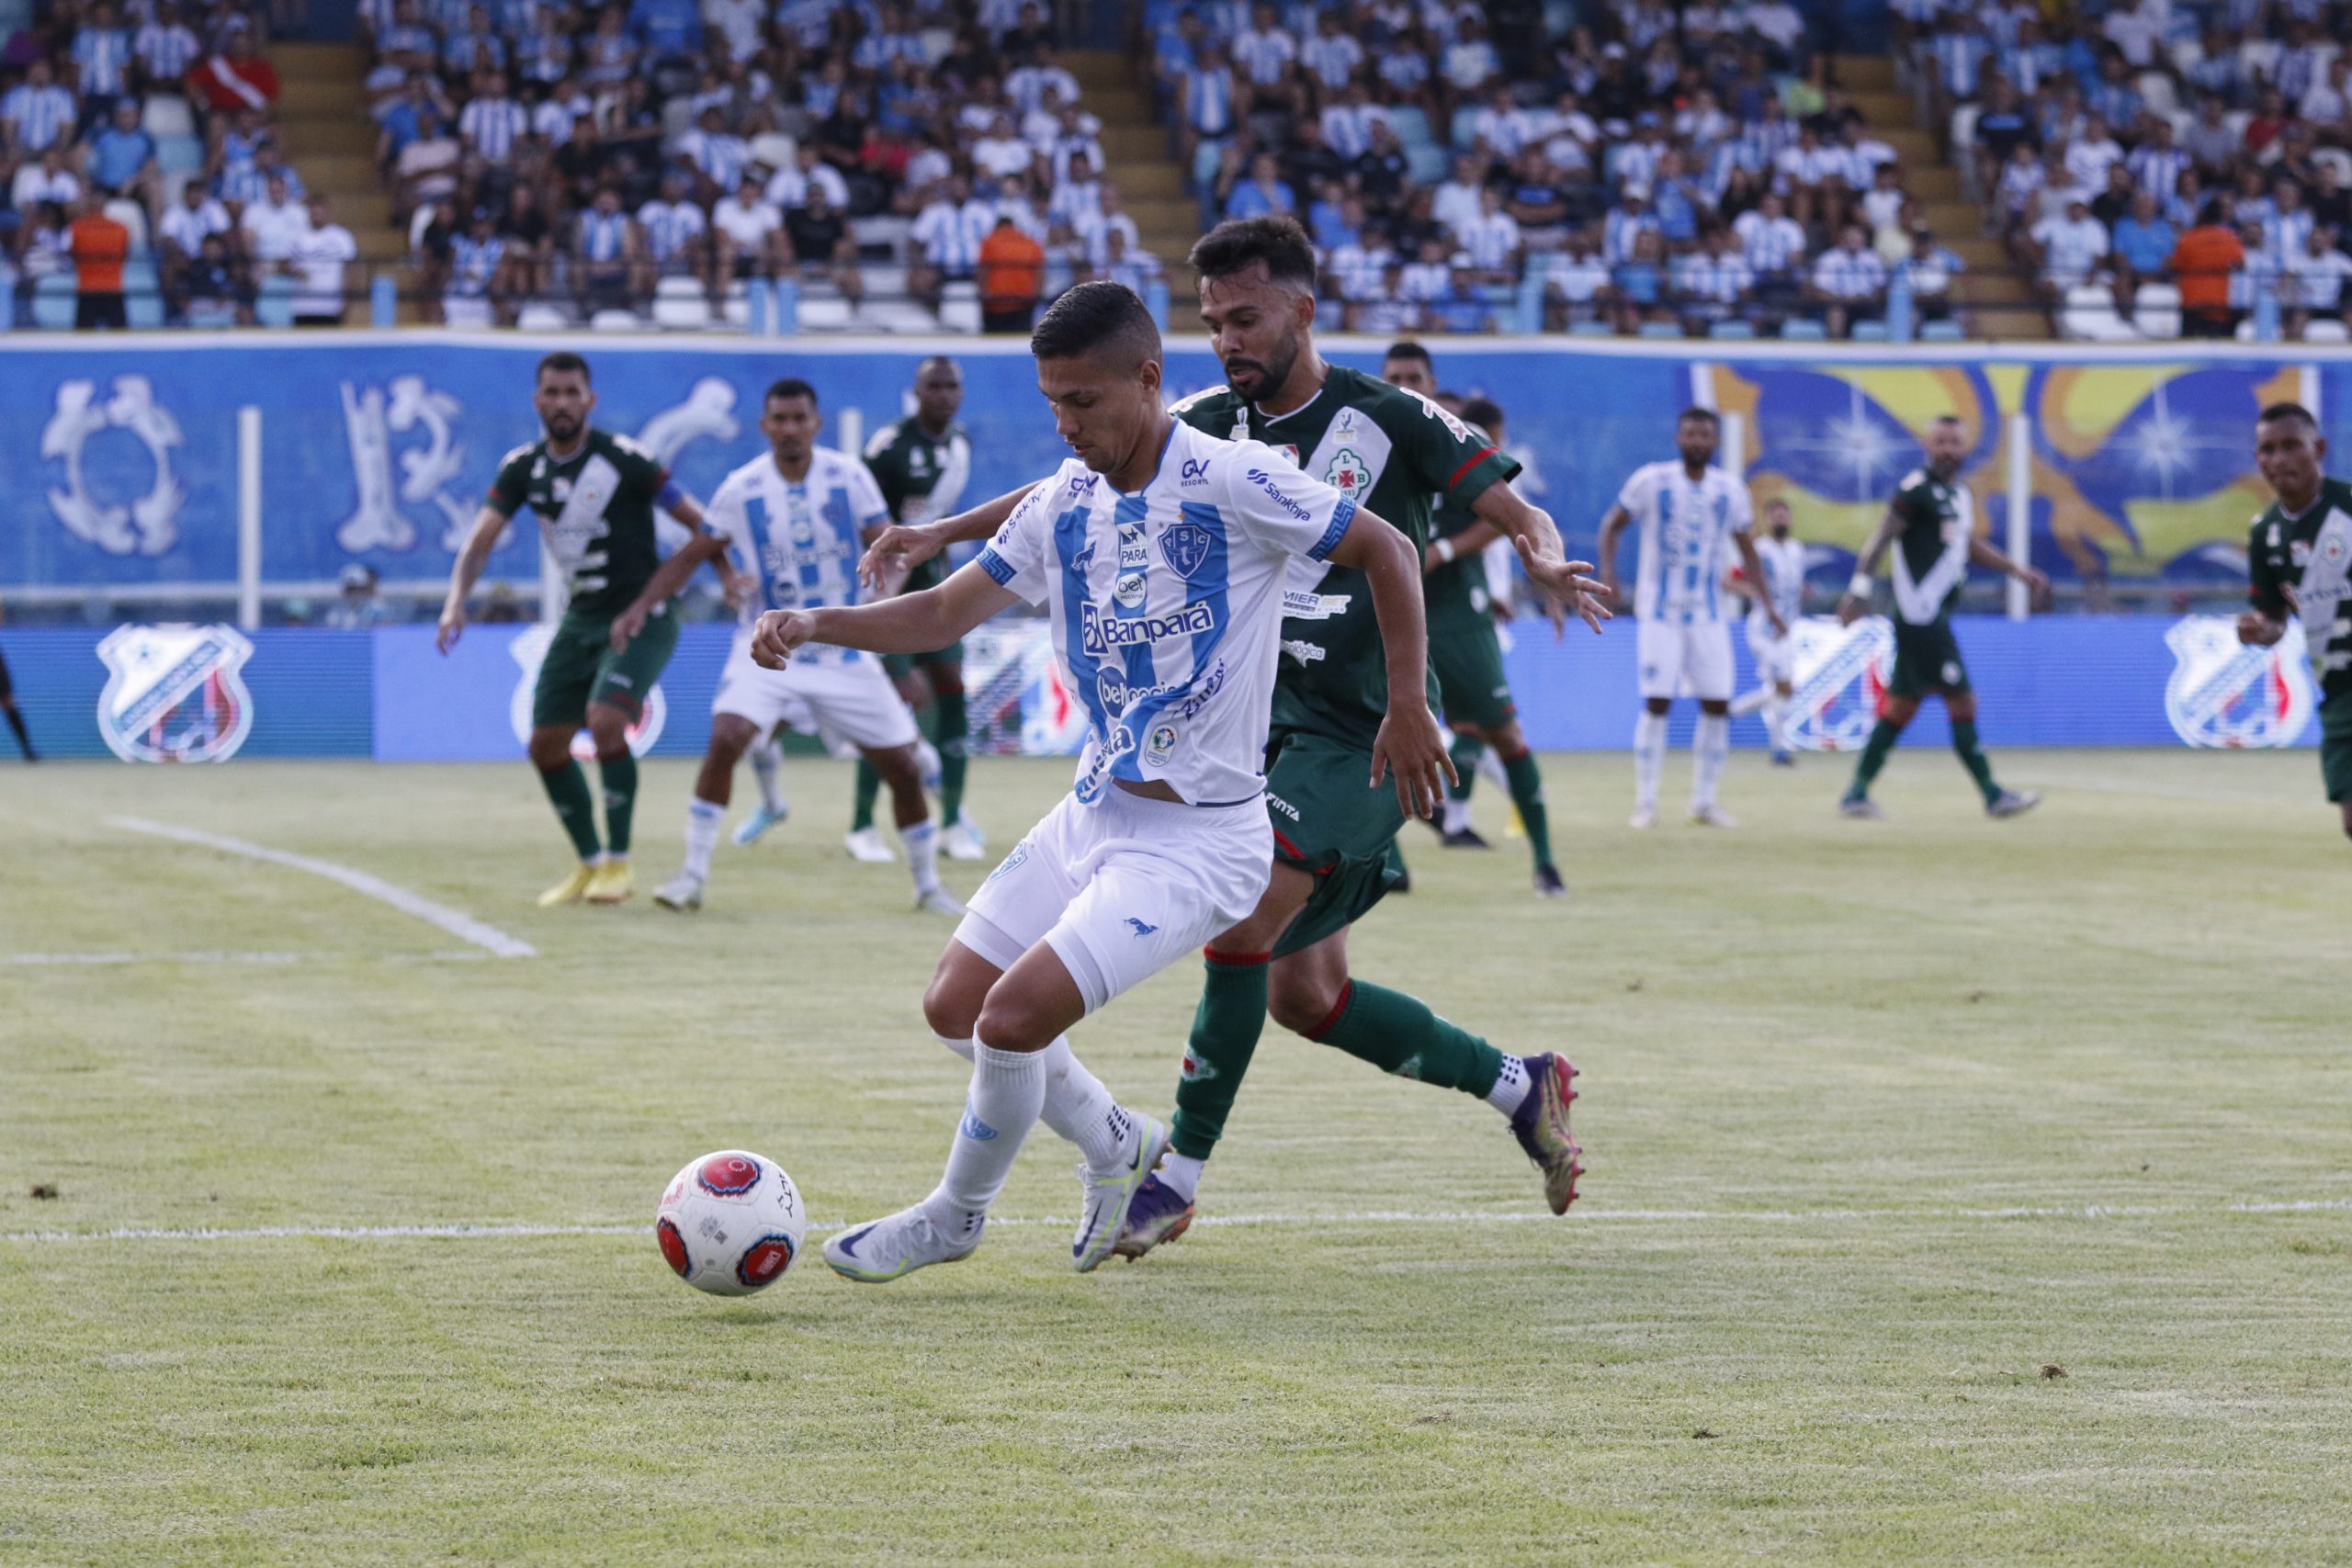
1512, 1088
922, 844
1457, 815
703, 819
767, 759
961, 1047
1649, 758
1776, 722
1711, 745
1080, 1109
1008, 1091
1180, 1174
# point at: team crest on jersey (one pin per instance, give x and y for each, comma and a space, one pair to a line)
1289, 449
1185, 547
530, 650
1349, 473
172, 694
1841, 676
2224, 693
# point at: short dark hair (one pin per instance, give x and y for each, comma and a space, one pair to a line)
1695, 411
1093, 317
791, 387
1238, 243
1484, 413
2280, 413
1406, 348
563, 361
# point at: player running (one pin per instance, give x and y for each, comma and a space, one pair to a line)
797, 518
1932, 522
1687, 510
1775, 652
1162, 553
2299, 559
593, 493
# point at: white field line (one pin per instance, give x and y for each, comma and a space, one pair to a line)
103, 960
457, 923
2159, 791
1375, 1217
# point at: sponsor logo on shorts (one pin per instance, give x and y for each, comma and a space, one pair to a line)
1141, 929
1196, 472
1278, 496
1099, 634
1285, 806
1020, 853
1304, 652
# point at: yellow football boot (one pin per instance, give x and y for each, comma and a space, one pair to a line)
570, 889
610, 883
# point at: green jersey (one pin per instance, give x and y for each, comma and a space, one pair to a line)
922, 479
596, 509
1939, 520
1392, 452
2313, 554
1459, 587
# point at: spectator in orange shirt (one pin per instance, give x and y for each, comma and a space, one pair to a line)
99, 246
1012, 266
2202, 261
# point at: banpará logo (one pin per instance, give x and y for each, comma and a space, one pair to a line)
1195, 472
2223, 692
1265, 482
1099, 634
174, 695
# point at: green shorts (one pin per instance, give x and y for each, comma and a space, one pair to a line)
581, 668
1330, 822
1468, 658
2335, 746
1926, 658
899, 666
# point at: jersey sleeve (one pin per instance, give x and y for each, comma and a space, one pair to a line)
724, 516
1635, 493
1278, 508
1740, 517
1447, 456
866, 507
640, 468
2264, 588
1015, 556
511, 481
888, 469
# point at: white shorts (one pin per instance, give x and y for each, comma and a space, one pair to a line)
1123, 888
1684, 661
1776, 657
854, 701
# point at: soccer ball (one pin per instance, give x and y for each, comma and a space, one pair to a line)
731, 1224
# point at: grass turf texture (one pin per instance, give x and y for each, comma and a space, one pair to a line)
1782, 1321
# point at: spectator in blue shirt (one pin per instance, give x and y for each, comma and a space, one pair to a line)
122, 156
669, 30
2141, 245
1263, 193
1327, 218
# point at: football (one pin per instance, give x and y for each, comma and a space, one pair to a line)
731, 1223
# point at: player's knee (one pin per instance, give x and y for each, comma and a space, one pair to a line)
897, 767
1509, 741
1014, 1022
609, 728
551, 749
1301, 1002
950, 1008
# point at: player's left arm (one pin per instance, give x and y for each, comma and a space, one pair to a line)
1982, 552
1856, 602
909, 622
1412, 743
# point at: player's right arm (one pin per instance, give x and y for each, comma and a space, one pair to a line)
1855, 603
2266, 621
901, 547
910, 623
489, 523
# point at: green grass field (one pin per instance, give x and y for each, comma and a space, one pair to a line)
1884, 1123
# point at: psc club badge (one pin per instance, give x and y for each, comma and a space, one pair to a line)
174, 694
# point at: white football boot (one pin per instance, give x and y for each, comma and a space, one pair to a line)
893, 1247
1106, 1194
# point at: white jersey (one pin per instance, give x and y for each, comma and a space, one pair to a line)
1685, 529
1783, 585
799, 542
1167, 606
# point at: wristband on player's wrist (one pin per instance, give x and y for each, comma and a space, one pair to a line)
1444, 549
1859, 587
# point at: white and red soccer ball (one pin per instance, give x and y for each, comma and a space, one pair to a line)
731, 1224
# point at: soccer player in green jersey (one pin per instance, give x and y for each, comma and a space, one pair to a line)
593, 493
1932, 524
2298, 561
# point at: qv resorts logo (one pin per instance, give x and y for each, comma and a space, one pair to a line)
174, 694
2224, 693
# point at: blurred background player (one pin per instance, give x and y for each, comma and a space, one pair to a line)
922, 464
1687, 510
593, 493
2297, 557
1932, 523
9, 706
1775, 652
797, 518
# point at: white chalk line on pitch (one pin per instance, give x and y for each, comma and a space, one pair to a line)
1375, 1217
455, 922
106, 960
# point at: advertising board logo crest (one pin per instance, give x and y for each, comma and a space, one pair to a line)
530, 650
1842, 675
2223, 692
174, 694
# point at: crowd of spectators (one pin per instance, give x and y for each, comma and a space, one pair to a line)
2187, 158
588, 161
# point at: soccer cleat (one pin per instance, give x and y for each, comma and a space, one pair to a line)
1465, 838
938, 900
2012, 803
569, 889
865, 847
611, 883
748, 831
681, 892
1784, 759
1712, 816
1106, 1196
894, 1247
1156, 1214
1548, 884
1541, 1125
962, 839
1861, 808
1644, 818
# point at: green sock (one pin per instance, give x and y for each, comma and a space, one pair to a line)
1399, 1035
1874, 751
1527, 794
1973, 758
1466, 752
869, 784
1232, 1015
620, 797
567, 788
948, 734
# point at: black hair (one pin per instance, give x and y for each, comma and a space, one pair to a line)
1695, 412
1238, 243
1092, 317
1406, 348
564, 360
2279, 412
1483, 412
791, 387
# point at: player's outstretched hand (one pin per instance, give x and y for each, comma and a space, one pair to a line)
452, 627
2260, 629
1411, 744
627, 624
896, 552
780, 632
1850, 608
1568, 583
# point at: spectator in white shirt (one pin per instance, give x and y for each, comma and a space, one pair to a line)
1712, 283
949, 232
1013, 201
789, 188
51, 179
677, 233
1001, 154
1492, 240
1110, 217
2315, 281
1027, 85
1571, 140
1848, 282
321, 254
493, 123
1078, 200
1882, 203
2022, 178
1120, 263
1265, 53
1457, 199
1428, 278
2091, 154
1470, 62
747, 235
182, 229
1502, 125
2330, 102
272, 224
2069, 249
1332, 55
1771, 242
1578, 289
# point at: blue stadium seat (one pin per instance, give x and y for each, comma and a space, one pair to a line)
1592, 329
1803, 328
143, 294
213, 315
1730, 329
1426, 164
179, 155
1661, 329
1870, 331
274, 306
1942, 331
1459, 132
53, 298
1412, 126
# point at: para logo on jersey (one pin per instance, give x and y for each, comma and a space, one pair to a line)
2224, 693
1841, 676
174, 694
530, 650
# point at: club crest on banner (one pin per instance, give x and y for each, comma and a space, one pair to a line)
2224, 693
147, 526
1841, 676
174, 694
530, 650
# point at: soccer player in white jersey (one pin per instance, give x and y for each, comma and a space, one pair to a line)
1775, 652
1689, 511
1161, 552
796, 519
